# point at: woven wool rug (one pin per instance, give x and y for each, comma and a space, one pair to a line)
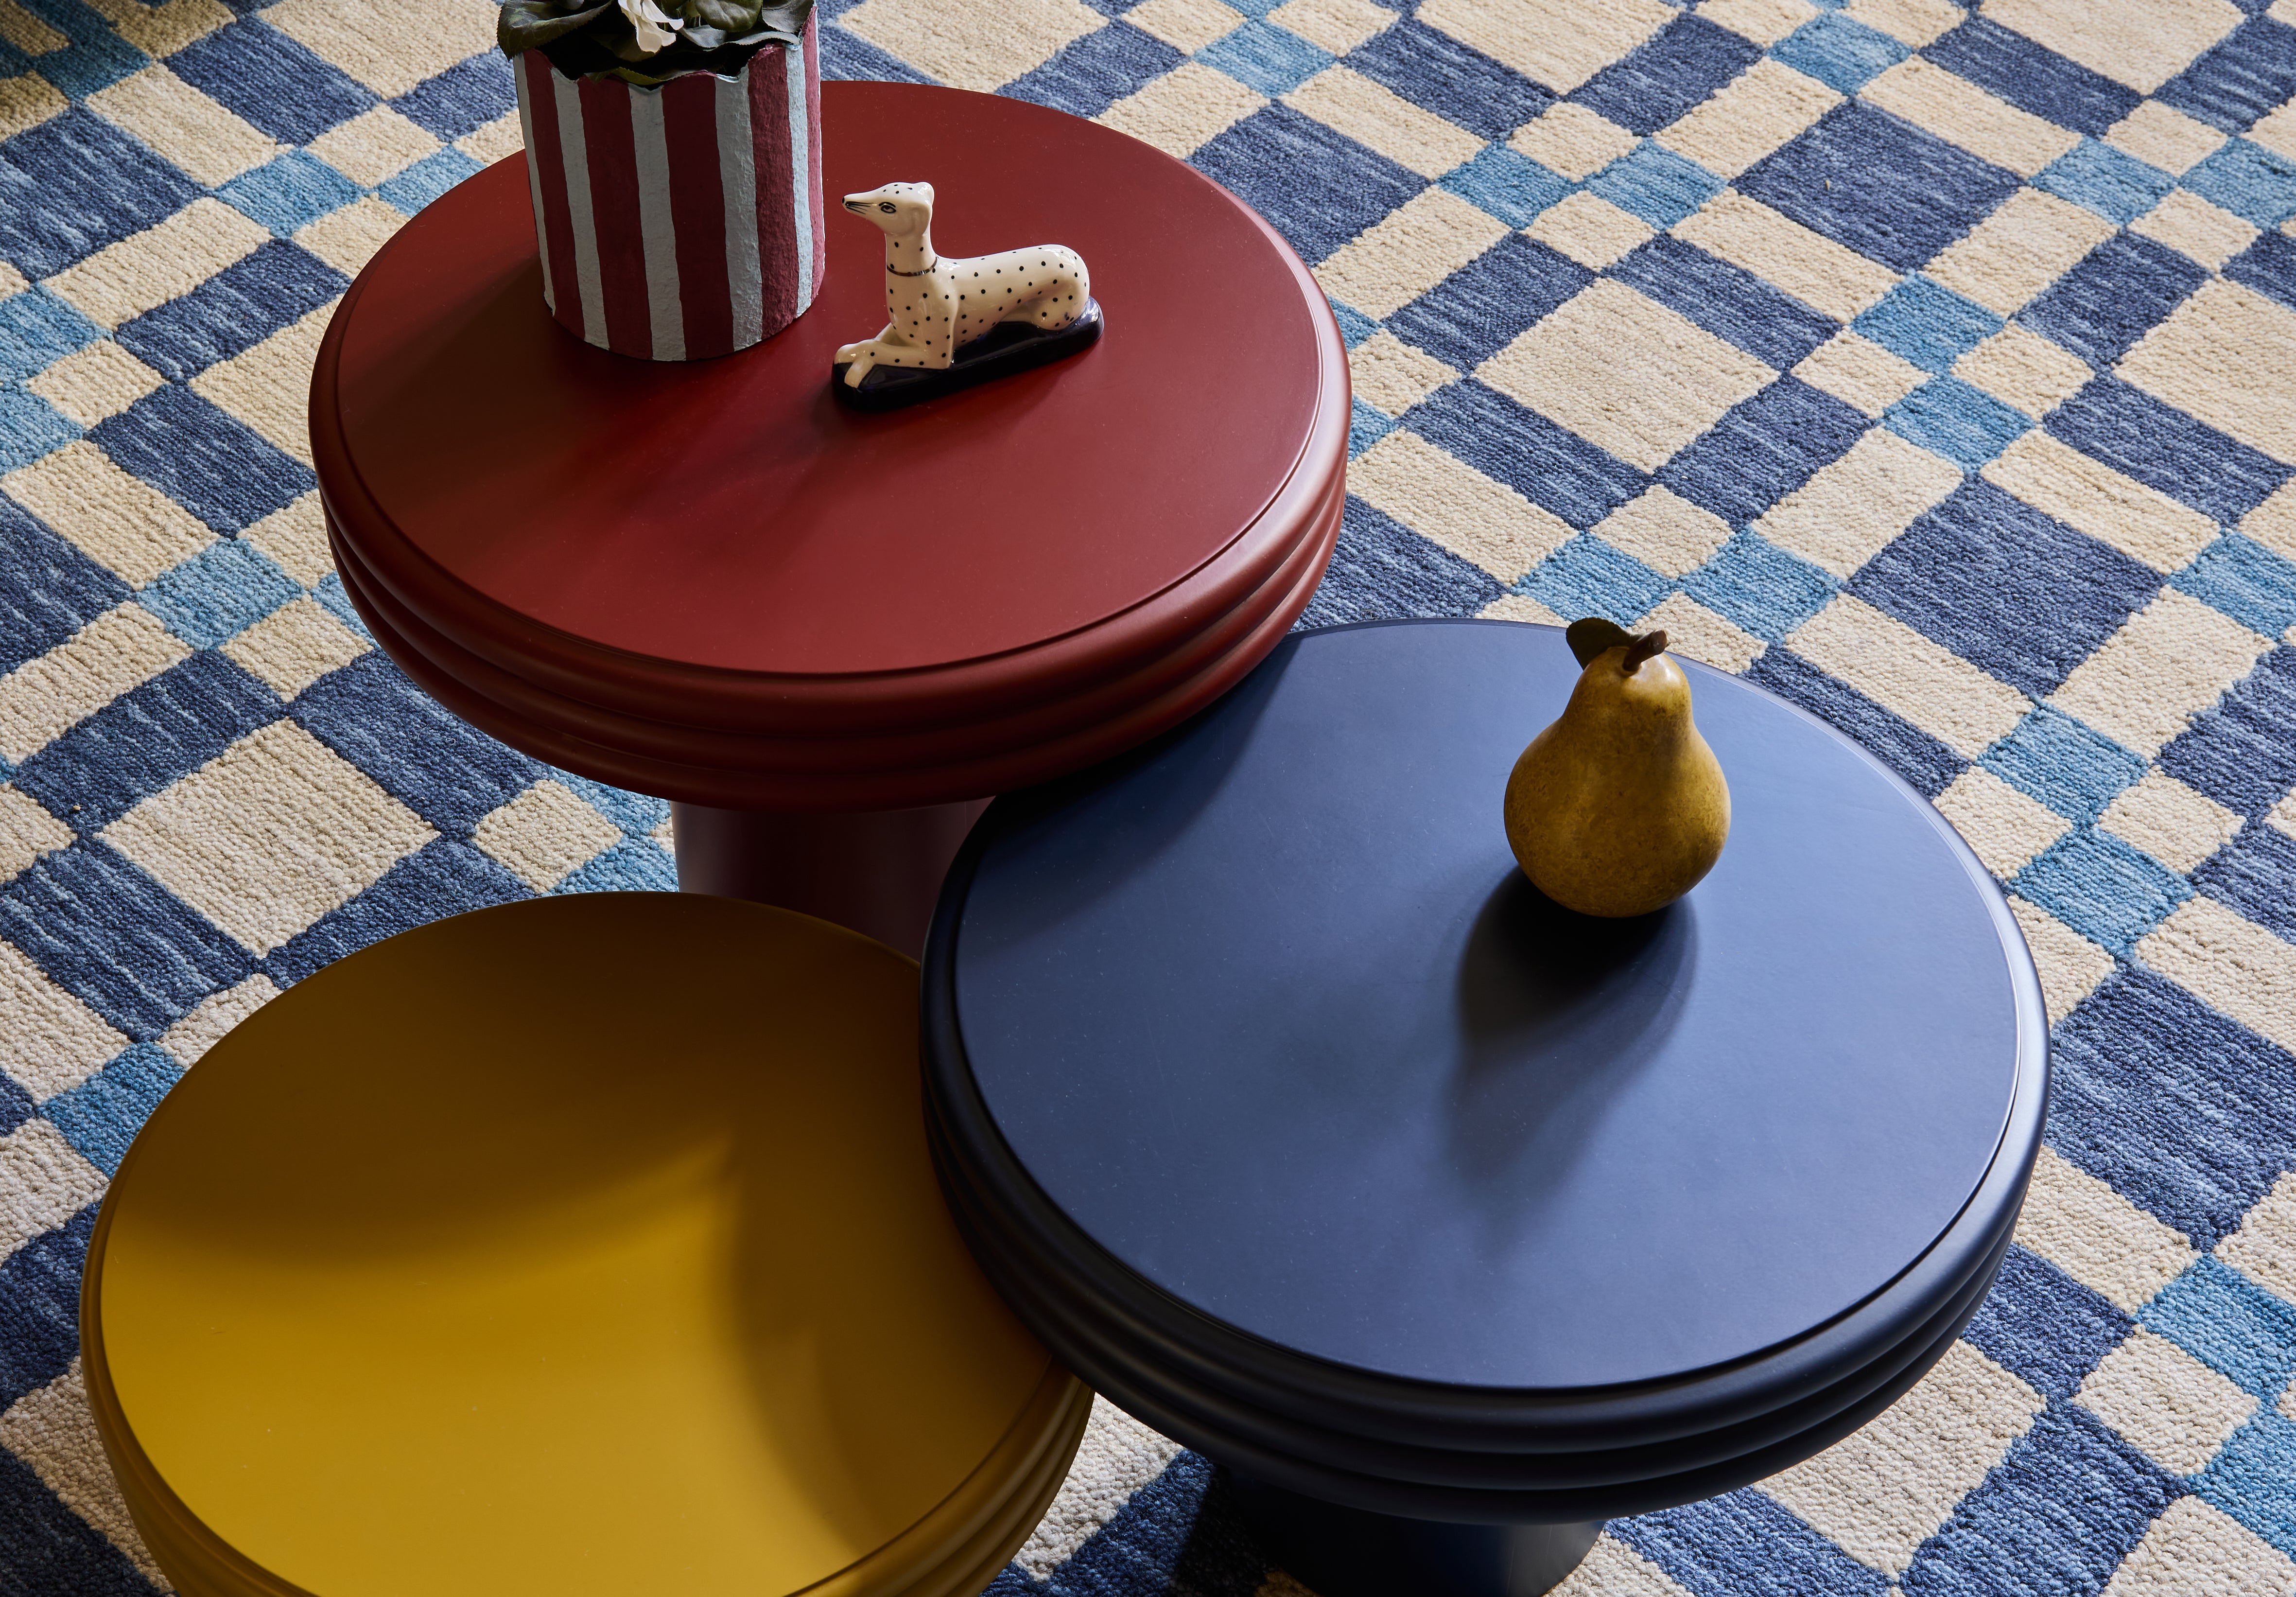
1935, 367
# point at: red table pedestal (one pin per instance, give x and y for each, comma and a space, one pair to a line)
878, 871
825, 635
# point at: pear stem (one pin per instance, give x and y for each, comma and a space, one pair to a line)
1641, 649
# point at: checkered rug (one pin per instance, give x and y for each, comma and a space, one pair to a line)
1933, 366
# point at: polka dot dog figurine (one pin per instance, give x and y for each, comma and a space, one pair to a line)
958, 322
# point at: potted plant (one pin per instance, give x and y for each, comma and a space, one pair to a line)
674, 156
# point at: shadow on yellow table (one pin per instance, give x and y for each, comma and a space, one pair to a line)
588, 1244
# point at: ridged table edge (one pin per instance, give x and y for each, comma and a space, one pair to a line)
864, 770
1165, 1360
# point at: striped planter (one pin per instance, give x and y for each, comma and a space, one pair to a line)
680, 222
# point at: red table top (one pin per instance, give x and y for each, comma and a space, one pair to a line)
729, 514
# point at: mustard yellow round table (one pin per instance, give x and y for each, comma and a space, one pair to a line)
586, 1245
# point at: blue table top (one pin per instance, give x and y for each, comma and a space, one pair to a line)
1268, 1009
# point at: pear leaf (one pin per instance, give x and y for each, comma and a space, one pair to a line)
1591, 636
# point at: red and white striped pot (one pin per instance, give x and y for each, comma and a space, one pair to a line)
680, 222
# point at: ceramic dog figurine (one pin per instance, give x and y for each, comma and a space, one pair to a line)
955, 322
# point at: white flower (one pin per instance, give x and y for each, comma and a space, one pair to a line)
654, 28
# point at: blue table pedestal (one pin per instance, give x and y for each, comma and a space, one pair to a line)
1341, 1552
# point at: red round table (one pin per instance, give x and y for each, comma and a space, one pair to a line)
826, 637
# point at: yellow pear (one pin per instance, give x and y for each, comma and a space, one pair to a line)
1620, 807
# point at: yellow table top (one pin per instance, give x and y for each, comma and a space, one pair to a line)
589, 1244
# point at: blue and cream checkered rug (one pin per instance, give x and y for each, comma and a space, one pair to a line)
1933, 366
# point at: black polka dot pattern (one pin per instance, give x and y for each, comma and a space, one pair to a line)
938, 304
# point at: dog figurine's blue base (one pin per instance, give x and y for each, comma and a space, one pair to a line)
1011, 346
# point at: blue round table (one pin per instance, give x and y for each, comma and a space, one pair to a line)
1451, 1223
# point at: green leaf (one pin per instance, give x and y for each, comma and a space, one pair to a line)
577, 55
1591, 636
625, 46
524, 24
732, 18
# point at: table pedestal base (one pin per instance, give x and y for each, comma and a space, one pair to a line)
1339, 1552
878, 871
